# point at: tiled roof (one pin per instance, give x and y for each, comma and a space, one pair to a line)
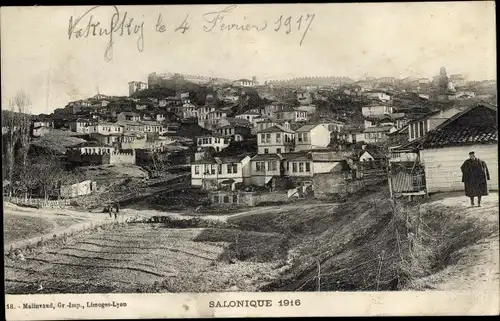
262, 157
276, 129
326, 157
377, 129
90, 143
306, 128
475, 125
237, 120
216, 135
297, 156
249, 113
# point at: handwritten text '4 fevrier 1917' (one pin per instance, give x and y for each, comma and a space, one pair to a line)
122, 24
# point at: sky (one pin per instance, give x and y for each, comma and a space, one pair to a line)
352, 40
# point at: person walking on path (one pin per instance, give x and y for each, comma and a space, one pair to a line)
117, 209
474, 176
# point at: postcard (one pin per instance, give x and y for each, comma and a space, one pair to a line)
260, 160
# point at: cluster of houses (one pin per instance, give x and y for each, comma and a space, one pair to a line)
294, 152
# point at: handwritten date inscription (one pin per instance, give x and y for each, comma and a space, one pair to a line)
121, 24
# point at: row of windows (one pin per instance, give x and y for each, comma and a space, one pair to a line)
266, 138
96, 150
266, 150
226, 131
225, 199
299, 167
205, 141
418, 129
261, 166
374, 135
210, 169
303, 137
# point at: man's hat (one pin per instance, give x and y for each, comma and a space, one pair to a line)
471, 153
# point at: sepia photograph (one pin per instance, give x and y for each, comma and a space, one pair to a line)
236, 160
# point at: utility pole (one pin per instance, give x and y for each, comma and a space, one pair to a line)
389, 180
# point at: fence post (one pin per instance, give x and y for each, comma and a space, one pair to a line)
319, 274
381, 260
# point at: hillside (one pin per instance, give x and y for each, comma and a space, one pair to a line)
365, 245
56, 141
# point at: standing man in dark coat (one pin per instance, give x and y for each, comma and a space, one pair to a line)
474, 176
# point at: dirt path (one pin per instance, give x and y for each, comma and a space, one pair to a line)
477, 266
224, 218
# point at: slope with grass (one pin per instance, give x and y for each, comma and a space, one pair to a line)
365, 244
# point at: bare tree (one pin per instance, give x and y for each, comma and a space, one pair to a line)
16, 125
22, 104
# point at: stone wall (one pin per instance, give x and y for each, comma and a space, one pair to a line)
330, 184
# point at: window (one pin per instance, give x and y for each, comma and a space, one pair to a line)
229, 169
278, 150
421, 129
273, 167
266, 150
287, 166
212, 169
300, 137
294, 167
235, 198
257, 166
219, 168
226, 199
262, 138
425, 127
268, 138
235, 168
305, 137
308, 167
301, 167
216, 198
278, 138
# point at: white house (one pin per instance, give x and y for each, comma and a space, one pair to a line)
152, 127
189, 111
250, 116
311, 136
379, 95
298, 165
135, 86
81, 125
218, 142
275, 140
245, 82
214, 173
265, 167
373, 135
376, 110
447, 146
131, 116
291, 114
309, 109
107, 128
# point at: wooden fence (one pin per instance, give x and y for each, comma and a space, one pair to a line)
37, 202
